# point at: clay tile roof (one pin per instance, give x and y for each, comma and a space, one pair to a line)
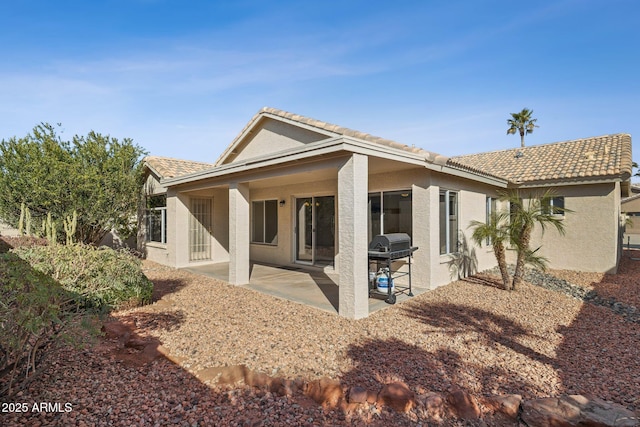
597, 157
168, 167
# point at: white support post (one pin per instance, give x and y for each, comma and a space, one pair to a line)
352, 217
239, 234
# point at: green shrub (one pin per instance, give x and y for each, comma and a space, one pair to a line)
34, 312
104, 278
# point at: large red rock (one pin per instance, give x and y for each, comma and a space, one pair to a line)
325, 391
397, 396
435, 406
357, 394
576, 410
508, 405
463, 405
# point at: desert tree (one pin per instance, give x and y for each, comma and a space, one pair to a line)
96, 176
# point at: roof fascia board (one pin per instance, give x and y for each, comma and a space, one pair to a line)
296, 123
258, 174
319, 148
154, 171
503, 183
599, 180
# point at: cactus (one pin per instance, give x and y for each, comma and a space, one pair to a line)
70, 227
27, 221
49, 229
21, 221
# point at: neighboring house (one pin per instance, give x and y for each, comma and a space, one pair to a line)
7, 230
291, 190
587, 176
631, 208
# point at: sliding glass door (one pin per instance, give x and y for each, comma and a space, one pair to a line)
315, 230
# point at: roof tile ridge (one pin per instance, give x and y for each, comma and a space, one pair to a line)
154, 157
577, 140
341, 130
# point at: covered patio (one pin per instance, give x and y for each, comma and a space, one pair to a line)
305, 285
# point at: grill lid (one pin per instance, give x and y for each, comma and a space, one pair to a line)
390, 242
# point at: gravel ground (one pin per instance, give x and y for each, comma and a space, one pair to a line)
535, 342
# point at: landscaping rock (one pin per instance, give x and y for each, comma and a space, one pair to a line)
548, 281
435, 405
508, 405
325, 392
357, 394
576, 410
463, 405
397, 396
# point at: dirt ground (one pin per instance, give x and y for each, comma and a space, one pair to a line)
533, 342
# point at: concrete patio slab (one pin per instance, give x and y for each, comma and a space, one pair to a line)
304, 285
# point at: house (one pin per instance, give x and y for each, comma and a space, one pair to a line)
588, 176
631, 208
291, 191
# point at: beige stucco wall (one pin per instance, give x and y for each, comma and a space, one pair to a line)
591, 241
471, 206
273, 136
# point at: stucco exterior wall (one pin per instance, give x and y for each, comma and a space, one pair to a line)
591, 241
273, 136
472, 198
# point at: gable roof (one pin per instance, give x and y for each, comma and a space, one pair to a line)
607, 156
167, 167
328, 129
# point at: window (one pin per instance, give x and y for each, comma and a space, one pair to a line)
554, 206
448, 222
492, 209
265, 222
156, 219
390, 212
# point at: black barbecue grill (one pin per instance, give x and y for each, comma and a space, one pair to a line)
383, 250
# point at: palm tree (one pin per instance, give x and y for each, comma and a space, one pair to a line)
496, 232
521, 122
522, 219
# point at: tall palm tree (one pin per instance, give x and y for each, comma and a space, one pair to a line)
496, 232
523, 123
523, 216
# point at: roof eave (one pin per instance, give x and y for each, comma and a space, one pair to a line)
567, 182
320, 148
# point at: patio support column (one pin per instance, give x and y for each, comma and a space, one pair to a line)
353, 184
239, 233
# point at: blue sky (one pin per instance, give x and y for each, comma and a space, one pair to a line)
183, 78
